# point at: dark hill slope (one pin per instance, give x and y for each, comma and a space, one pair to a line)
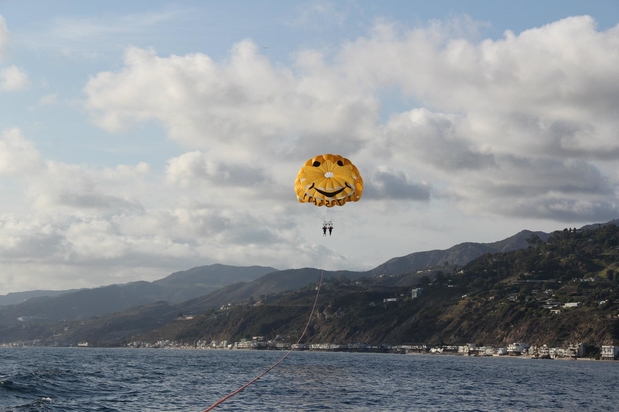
276, 282
19, 297
78, 305
459, 255
200, 281
496, 299
82, 304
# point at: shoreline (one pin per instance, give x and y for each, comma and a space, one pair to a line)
494, 356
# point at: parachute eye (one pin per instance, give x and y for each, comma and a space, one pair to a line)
316, 163
340, 163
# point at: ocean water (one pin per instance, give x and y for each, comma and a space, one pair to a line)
93, 379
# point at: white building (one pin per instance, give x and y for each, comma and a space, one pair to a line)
610, 352
576, 351
517, 348
300, 346
485, 351
572, 305
500, 351
468, 349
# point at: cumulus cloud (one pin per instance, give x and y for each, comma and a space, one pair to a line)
243, 102
52, 184
28, 240
524, 115
49, 99
81, 188
543, 188
18, 156
119, 224
388, 184
195, 166
524, 126
435, 139
13, 78
516, 92
521, 126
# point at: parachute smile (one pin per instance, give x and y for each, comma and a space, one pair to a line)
330, 194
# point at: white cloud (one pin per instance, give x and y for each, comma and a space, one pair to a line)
49, 99
104, 225
520, 127
523, 126
436, 140
524, 114
195, 166
243, 104
532, 92
26, 240
81, 188
13, 78
387, 184
18, 156
52, 184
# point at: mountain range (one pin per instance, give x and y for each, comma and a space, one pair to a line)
216, 285
84, 303
138, 307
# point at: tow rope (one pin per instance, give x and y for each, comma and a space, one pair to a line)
231, 394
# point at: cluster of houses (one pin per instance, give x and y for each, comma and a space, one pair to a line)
608, 352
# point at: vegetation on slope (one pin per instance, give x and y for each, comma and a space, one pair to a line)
496, 299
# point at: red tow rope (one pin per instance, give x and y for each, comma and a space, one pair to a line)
230, 395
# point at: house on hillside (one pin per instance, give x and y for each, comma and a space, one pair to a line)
610, 352
572, 305
576, 351
500, 351
300, 346
551, 304
468, 349
517, 348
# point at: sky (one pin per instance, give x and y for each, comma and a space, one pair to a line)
146, 137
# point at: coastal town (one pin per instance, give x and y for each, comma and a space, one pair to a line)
575, 351
520, 349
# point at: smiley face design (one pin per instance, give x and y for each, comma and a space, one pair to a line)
328, 180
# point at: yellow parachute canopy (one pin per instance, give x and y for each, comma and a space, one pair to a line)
328, 180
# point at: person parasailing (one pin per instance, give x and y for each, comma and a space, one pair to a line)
326, 180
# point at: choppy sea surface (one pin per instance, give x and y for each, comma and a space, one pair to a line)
93, 379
